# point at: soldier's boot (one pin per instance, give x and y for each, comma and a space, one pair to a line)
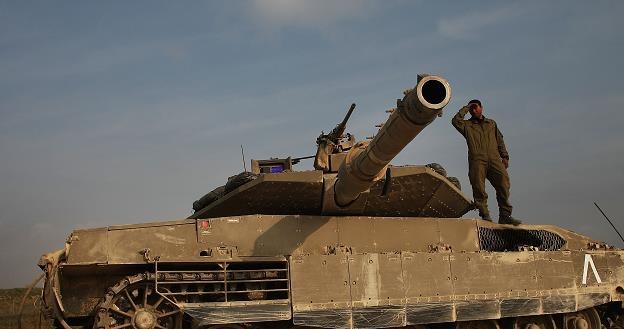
507, 219
484, 213
482, 207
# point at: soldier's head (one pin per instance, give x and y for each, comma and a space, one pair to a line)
475, 108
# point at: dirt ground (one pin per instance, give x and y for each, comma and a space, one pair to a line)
10, 300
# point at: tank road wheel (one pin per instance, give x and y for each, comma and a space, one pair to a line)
481, 324
534, 322
585, 319
134, 304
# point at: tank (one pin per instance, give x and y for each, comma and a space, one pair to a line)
354, 243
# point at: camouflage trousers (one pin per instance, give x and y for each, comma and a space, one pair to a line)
495, 172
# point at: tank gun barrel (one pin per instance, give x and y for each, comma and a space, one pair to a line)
415, 111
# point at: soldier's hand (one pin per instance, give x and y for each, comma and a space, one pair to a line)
506, 163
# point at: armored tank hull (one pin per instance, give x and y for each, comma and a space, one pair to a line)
333, 272
357, 243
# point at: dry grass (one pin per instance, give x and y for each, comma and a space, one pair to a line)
10, 300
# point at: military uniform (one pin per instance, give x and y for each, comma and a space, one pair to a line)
486, 149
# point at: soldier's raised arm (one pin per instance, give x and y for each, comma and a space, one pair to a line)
458, 120
502, 150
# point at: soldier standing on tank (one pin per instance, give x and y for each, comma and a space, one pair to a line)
487, 158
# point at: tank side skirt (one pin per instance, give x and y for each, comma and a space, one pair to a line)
512, 284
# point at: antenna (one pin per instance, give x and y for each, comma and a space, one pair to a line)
608, 220
243, 154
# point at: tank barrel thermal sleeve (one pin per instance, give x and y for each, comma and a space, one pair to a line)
415, 111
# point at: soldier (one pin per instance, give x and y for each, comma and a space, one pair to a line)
487, 158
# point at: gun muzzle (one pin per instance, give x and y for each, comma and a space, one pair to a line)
415, 111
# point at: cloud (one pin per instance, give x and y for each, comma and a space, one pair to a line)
79, 58
469, 25
308, 14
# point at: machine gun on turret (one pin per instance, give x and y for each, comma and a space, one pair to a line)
333, 143
337, 133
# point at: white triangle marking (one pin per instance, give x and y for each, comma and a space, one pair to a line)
590, 261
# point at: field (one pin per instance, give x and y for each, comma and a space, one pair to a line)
10, 300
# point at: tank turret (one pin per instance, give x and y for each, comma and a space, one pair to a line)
351, 178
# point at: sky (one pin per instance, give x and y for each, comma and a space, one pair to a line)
116, 112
